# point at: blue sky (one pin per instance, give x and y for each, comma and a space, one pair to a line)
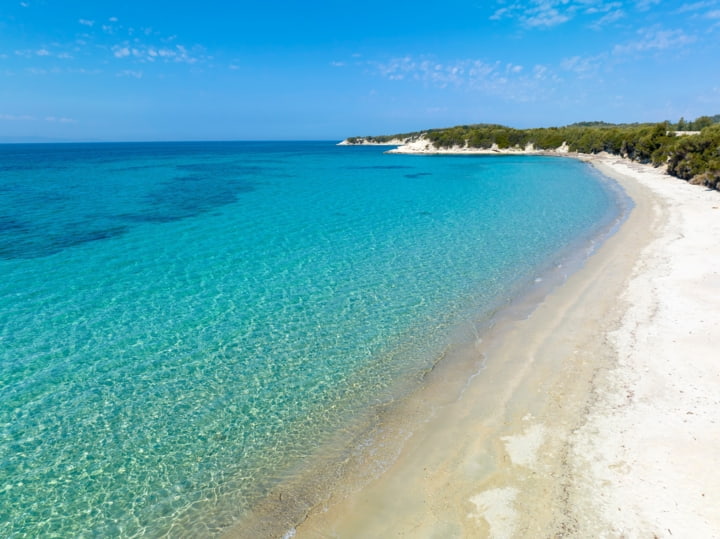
160, 70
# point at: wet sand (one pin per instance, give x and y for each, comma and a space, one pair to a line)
597, 415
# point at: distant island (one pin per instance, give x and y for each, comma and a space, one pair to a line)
689, 150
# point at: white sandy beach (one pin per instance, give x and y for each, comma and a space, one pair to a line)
596, 416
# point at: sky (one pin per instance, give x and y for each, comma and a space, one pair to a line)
81, 70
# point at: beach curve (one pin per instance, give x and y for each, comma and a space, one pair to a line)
603, 424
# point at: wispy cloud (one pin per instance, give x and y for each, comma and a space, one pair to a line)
696, 6
149, 53
121, 52
61, 120
608, 19
97, 43
29, 118
513, 81
649, 41
584, 67
545, 14
602, 7
42, 52
537, 13
654, 39
644, 5
130, 73
441, 74
17, 117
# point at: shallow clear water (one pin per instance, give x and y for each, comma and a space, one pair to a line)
181, 323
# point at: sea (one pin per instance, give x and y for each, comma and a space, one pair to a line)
187, 326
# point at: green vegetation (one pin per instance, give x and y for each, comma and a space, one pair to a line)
697, 157
384, 139
693, 157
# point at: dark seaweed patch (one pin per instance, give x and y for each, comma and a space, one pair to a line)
418, 175
80, 236
381, 167
10, 168
188, 196
135, 168
10, 225
26, 244
180, 198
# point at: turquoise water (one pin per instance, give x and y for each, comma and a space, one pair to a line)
181, 324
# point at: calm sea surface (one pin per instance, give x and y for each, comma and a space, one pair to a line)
181, 324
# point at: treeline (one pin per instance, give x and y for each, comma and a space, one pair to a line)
698, 124
693, 157
385, 139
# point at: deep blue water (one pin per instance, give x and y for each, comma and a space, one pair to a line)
181, 324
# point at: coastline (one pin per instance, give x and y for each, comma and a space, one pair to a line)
593, 416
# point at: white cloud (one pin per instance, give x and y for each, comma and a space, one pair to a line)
540, 72
544, 15
17, 117
121, 52
653, 39
603, 8
337, 64
149, 53
608, 18
644, 5
550, 13
61, 120
79, 71
696, 6
537, 13
130, 73
92, 40
500, 13
507, 80
584, 67
42, 52
24, 4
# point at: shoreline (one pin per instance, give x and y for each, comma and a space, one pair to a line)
544, 442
